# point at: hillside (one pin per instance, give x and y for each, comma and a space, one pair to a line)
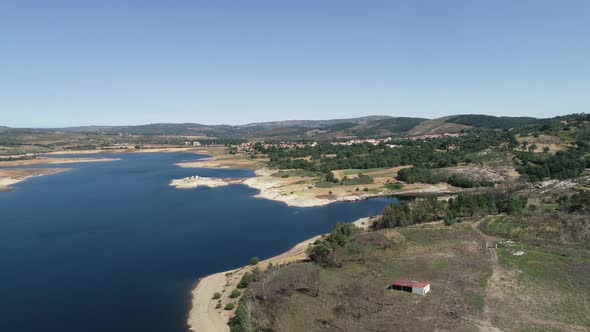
437, 126
334, 129
362, 127
492, 122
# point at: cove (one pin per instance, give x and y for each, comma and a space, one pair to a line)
110, 246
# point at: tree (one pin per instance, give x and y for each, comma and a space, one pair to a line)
532, 148
320, 253
330, 177
449, 220
254, 260
545, 149
247, 278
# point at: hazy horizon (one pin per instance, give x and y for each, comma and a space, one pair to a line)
251, 123
73, 63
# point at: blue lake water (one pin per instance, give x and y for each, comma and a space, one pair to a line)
110, 246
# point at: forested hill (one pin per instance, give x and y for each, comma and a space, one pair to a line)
493, 122
362, 127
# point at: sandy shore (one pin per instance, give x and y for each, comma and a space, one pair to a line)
9, 177
203, 316
301, 190
275, 188
127, 150
197, 181
51, 161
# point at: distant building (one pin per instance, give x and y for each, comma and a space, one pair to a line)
405, 285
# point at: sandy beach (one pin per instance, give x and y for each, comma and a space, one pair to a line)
198, 181
51, 161
9, 177
301, 191
125, 150
203, 316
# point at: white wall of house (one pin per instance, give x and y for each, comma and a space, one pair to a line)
421, 291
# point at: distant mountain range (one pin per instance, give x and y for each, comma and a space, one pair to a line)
368, 126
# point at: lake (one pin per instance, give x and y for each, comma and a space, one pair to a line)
110, 246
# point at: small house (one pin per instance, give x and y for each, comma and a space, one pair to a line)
405, 285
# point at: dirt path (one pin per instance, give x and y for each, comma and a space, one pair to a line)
488, 313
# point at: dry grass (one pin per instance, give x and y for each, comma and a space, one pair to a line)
554, 143
355, 298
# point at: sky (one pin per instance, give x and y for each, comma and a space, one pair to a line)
117, 62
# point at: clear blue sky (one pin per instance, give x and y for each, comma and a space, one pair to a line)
81, 62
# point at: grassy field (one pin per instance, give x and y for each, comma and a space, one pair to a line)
542, 282
554, 289
354, 171
473, 286
355, 297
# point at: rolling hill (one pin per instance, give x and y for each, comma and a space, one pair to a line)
362, 127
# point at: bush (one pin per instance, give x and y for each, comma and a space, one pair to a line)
514, 204
235, 293
449, 220
395, 186
229, 306
242, 320
467, 183
247, 278
419, 174
216, 295
254, 261
323, 250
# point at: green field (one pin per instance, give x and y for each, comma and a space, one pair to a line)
354, 171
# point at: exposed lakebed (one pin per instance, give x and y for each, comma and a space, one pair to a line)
110, 246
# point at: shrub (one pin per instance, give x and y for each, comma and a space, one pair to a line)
218, 305
467, 183
247, 278
419, 174
216, 295
365, 189
395, 186
230, 306
450, 220
254, 261
235, 293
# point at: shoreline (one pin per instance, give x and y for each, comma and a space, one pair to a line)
125, 150
53, 161
203, 316
295, 190
15, 171
10, 177
273, 188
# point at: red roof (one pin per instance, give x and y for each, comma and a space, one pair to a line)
402, 283
420, 284
409, 283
